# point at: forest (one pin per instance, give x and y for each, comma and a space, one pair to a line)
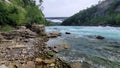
20, 12
108, 15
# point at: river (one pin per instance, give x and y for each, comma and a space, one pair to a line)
84, 47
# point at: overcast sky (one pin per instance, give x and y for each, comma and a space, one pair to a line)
60, 8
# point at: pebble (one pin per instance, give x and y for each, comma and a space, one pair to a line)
49, 61
52, 65
38, 60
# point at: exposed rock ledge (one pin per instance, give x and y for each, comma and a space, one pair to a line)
26, 48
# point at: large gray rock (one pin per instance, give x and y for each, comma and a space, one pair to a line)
39, 29
54, 34
100, 37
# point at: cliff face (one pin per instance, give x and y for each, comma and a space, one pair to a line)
105, 13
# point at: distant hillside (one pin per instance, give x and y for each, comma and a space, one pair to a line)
20, 12
105, 13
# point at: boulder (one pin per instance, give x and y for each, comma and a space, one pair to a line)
67, 33
39, 29
100, 37
54, 34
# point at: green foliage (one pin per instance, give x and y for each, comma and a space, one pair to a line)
16, 15
20, 12
6, 28
81, 17
34, 15
94, 16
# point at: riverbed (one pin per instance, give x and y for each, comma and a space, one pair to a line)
103, 53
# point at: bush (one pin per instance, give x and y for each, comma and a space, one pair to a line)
20, 12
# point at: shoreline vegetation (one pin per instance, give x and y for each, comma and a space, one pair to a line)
20, 12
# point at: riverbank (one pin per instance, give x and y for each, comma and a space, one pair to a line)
60, 47
27, 48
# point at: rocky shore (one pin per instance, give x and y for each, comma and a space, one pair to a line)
27, 48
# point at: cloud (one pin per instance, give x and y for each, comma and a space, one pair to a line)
57, 8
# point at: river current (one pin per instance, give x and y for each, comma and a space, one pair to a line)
84, 47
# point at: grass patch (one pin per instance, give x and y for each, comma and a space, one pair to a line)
6, 28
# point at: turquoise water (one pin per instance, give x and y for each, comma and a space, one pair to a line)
101, 53
108, 32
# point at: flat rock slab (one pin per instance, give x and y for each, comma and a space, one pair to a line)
17, 46
3, 66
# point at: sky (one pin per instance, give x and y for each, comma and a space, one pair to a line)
65, 8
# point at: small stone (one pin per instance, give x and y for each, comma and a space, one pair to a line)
38, 60
67, 33
55, 50
49, 61
100, 37
52, 65
24, 51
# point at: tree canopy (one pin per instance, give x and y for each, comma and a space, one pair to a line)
20, 12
